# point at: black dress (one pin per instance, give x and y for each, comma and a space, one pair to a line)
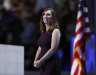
52, 64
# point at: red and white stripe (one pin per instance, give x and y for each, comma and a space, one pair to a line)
77, 68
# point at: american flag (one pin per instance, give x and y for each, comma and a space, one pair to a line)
82, 25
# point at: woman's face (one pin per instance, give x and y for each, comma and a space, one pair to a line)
47, 17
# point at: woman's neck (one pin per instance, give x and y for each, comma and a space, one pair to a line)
47, 27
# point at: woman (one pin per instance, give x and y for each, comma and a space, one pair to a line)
46, 57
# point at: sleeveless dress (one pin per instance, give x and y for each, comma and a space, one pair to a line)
52, 64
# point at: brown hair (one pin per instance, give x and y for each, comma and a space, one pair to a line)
54, 25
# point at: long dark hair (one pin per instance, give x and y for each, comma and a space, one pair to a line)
54, 25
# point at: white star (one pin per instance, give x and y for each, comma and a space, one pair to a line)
87, 29
86, 19
85, 9
79, 5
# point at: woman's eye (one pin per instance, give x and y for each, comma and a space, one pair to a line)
48, 14
43, 13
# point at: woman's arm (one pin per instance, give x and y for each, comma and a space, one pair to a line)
37, 53
54, 45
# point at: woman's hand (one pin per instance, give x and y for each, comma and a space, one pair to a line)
37, 63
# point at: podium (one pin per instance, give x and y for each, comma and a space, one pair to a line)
11, 60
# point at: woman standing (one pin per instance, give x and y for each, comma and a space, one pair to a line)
46, 57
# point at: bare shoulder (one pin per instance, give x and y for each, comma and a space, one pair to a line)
56, 31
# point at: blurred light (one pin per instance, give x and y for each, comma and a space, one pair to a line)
60, 53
